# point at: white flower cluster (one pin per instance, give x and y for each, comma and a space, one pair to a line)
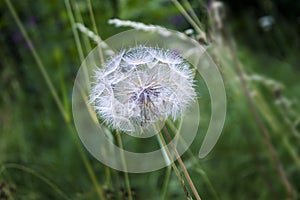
140, 86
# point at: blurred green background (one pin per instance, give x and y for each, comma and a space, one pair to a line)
41, 156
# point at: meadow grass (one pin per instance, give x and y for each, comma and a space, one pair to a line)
41, 156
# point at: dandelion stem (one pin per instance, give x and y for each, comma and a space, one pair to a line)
127, 182
177, 173
182, 166
166, 183
194, 160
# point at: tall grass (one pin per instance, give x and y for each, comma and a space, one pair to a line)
41, 156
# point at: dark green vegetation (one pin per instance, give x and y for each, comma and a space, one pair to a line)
41, 156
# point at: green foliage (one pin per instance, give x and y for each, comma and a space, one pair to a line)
41, 156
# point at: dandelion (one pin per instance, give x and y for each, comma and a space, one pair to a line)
141, 86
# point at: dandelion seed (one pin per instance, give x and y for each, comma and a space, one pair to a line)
140, 86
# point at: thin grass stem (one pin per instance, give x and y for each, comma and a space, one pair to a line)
192, 12
41, 66
76, 36
166, 183
88, 48
74, 30
65, 115
261, 125
37, 175
177, 173
189, 19
95, 28
79, 18
239, 71
127, 182
87, 164
191, 155
182, 166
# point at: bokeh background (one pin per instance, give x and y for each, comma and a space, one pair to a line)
258, 154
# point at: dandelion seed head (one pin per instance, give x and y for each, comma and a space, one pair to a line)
141, 86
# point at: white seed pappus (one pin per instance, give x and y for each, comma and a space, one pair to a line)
141, 86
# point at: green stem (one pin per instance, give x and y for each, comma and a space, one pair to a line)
88, 48
182, 166
95, 28
177, 173
36, 174
194, 160
193, 14
41, 66
74, 30
261, 125
166, 183
189, 19
86, 163
127, 182
76, 36
65, 115
79, 18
